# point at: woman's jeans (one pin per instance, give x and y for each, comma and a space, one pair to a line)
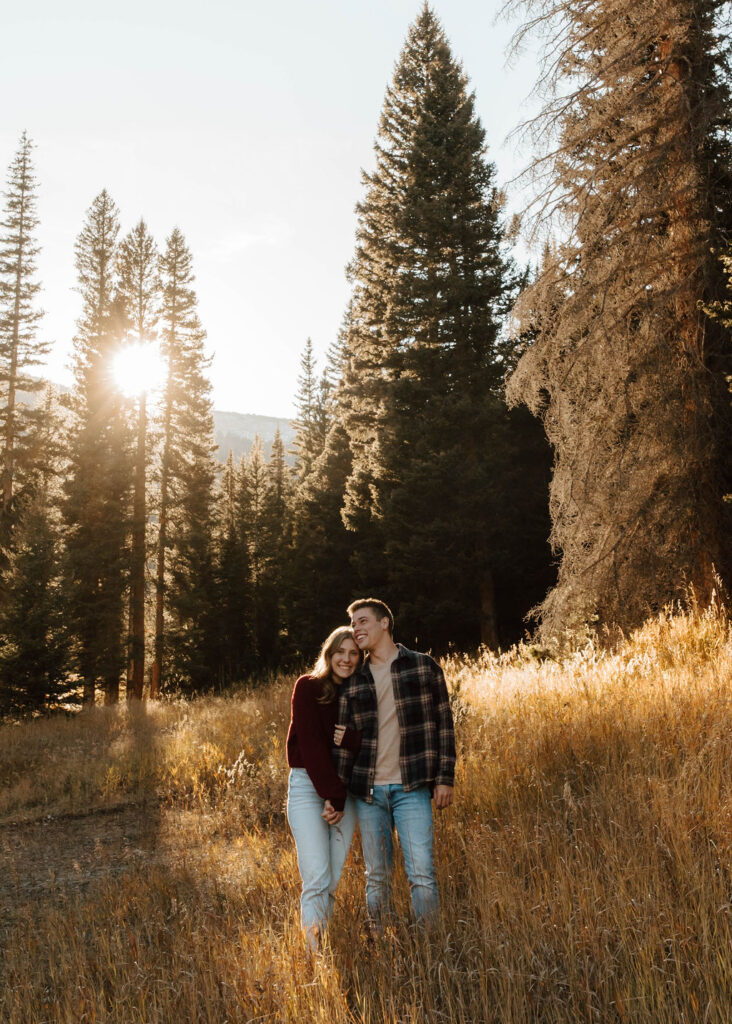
321, 848
411, 814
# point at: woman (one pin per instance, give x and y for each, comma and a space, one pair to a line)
321, 815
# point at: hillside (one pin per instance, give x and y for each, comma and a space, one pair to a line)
233, 431
147, 872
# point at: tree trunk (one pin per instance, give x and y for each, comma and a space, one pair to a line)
684, 218
137, 584
8, 467
111, 689
157, 671
88, 695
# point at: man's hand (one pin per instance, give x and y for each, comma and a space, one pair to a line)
330, 815
443, 797
339, 734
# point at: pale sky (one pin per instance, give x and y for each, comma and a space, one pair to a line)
246, 124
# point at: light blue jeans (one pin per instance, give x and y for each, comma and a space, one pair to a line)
321, 848
411, 815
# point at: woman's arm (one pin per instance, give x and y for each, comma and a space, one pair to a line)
314, 745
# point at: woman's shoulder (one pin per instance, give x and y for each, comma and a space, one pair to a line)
305, 685
304, 680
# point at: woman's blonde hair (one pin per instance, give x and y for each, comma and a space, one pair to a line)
322, 670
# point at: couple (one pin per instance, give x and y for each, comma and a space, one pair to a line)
370, 739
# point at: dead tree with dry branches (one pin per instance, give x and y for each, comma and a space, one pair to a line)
627, 372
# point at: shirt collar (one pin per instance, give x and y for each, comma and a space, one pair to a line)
402, 652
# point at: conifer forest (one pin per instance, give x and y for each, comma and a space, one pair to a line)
495, 446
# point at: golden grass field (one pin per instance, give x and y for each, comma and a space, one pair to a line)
147, 873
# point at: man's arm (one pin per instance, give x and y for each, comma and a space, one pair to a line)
445, 779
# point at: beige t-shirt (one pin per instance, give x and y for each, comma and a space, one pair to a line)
388, 771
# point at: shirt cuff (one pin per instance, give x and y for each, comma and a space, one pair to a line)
351, 740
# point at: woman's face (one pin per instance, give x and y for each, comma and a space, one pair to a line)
344, 660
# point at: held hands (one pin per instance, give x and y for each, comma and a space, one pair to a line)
442, 797
330, 815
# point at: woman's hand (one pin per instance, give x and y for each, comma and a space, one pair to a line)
339, 734
330, 814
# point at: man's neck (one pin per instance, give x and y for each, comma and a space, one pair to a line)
384, 651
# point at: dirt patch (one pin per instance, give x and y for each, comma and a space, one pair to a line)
52, 857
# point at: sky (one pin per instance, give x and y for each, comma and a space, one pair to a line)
245, 124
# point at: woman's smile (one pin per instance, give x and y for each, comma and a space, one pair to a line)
344, 660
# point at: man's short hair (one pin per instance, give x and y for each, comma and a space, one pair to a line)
380, 610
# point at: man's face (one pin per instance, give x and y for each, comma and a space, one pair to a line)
367, 628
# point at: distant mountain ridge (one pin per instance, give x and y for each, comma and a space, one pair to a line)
233, 431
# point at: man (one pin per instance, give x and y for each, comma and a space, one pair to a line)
398, 702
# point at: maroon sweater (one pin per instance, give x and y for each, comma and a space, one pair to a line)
310, 740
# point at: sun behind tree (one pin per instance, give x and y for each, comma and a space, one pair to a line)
138, 368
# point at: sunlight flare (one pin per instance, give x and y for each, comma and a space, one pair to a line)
138, 369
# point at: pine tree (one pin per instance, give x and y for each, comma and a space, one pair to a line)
310, 422
321, 578
20, 349
266, 501
33, 634
96, 505
329, 564
259, 505
185, 571
233, 605
192, 592
138, 293
33, 640
422, 387
625, 373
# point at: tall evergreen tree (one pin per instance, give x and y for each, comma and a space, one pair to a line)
96, 505
234, 604
260, 506
625, 373
321, 576
425, 416
277, 528
138, 292
324, 568
20, 349
33, 634
33, 639
310, 421
185, 570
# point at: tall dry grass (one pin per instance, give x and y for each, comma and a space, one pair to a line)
585, 870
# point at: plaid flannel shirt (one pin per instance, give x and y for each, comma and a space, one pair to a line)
427, 738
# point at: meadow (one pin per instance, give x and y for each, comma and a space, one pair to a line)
147, 873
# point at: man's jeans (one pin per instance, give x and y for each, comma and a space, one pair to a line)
411, 815
321, 848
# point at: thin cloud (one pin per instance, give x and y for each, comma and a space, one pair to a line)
238, 242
